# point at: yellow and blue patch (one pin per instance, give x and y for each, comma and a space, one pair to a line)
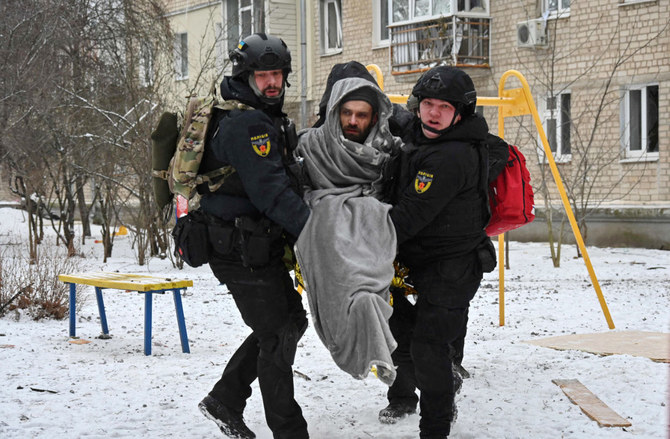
261, 144
422, 182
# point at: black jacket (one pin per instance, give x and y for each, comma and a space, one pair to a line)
440, 207
251, 142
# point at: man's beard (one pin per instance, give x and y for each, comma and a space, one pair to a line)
265, 92
358, 137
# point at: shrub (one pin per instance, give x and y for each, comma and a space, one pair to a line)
34, 289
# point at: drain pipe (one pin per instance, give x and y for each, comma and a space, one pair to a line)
303, 66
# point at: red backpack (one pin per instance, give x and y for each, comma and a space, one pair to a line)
511, 196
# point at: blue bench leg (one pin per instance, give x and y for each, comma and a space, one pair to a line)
101, 310
176, 293
148, 302
73, 306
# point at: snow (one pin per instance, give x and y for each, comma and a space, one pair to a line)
110, 389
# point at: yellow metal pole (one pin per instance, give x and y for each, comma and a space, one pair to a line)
561, 189
378, 74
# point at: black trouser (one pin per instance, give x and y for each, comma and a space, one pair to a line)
273, 309
424, 333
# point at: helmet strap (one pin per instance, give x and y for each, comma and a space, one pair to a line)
433, 130
261, 96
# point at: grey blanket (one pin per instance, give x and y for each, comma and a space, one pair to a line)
347, 247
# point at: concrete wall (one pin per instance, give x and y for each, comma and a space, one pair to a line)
623, 227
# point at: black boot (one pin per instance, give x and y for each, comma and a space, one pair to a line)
394, 412
231, 423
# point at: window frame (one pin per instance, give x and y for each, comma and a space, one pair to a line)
380, 23
453, 10
561, 11
557, 114
625, 115
324, 22
181, 56
234, 22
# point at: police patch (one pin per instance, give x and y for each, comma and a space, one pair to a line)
261, 144
422, 182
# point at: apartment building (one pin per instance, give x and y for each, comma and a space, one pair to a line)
206, 31
599, 72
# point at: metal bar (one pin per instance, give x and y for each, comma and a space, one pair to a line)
148, 301
73, 306
101, 310
176, 293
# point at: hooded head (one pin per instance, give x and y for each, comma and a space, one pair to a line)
358, 113
351, 69
360, 95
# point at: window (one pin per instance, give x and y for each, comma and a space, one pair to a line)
417, 10
181, 56
380, 14
331, 26
425, 33
557, 124
555, 8
252, 17
640, 121
146, 65
245, 17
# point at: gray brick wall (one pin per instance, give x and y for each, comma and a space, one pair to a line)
601, 30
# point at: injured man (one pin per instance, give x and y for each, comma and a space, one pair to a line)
347, 248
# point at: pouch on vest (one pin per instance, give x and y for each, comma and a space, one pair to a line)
256, 239
191, 146
191, 239
222, 236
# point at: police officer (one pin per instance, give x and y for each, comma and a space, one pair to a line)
439, 215
255, 212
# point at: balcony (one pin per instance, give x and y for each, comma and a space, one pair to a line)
455, 40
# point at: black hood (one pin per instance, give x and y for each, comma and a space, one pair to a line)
234, 88
351, 69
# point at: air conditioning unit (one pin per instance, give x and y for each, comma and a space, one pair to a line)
531, 33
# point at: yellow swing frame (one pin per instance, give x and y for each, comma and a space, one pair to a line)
511, 103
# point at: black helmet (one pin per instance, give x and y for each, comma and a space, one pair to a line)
260, 52
448, 84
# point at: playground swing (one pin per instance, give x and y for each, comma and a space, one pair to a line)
511, 103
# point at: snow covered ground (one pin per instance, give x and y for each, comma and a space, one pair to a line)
110, 389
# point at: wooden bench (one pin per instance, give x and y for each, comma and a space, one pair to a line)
147, 285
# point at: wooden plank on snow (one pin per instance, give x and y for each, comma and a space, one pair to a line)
591, 404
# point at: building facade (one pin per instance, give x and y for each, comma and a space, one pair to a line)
599, 73
206, 31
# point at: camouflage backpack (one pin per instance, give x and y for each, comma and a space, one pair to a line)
177, 153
